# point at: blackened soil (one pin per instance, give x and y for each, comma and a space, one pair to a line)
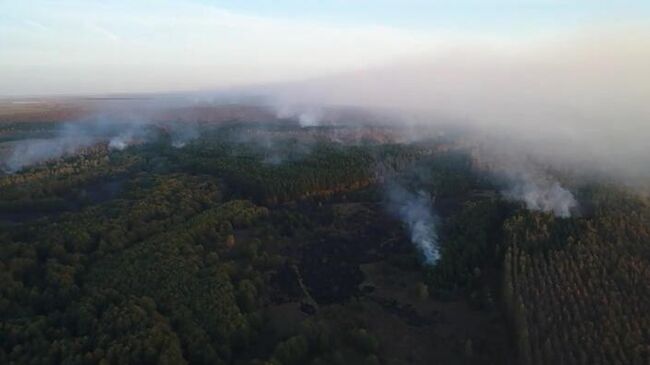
328, 260
330, 270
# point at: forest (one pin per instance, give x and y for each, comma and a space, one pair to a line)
270, 243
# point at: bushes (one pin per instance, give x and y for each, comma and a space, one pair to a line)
292, 351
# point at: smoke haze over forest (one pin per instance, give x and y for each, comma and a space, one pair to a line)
572, 85
293, 182
581, 98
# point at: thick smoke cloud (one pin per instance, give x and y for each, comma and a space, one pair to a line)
415, 210
579, 99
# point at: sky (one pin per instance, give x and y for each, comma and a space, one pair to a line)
98, 47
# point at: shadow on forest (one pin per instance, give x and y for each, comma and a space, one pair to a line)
90, 194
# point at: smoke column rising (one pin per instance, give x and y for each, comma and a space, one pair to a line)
416, 212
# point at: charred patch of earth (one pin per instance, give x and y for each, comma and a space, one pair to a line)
327, 261
330, 267
330, 270
404, 311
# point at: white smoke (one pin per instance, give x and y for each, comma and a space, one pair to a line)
307, 116
524, 177
415, 210
542, 195
182, 134
121, 141
117, 143
580, 97
310, 119
34, 151
71, 137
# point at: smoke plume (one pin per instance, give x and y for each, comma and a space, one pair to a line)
416, 212
524, 177
541, 195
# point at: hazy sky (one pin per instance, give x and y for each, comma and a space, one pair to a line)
53, 47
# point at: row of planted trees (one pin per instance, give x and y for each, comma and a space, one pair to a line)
577, 290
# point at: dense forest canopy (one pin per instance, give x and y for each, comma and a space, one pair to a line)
254, 242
